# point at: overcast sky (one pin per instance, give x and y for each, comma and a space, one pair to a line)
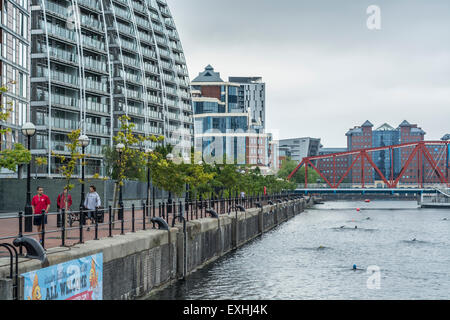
325, 71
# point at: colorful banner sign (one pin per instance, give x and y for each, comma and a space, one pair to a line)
80, 279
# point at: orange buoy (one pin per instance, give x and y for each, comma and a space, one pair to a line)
358, 209
367, 200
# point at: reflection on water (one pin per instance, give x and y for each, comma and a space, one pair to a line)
312, 255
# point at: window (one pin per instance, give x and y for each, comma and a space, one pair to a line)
22, 85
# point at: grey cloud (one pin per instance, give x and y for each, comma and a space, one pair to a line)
325, 71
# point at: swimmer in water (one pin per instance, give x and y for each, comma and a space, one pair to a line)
355, 268
342, 227
414, 239
368, 218
356, 227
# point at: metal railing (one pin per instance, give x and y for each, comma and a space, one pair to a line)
86, 225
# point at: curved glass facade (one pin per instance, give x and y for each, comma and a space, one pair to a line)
95, 60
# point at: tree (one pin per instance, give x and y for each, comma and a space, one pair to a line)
197, 177
166, 175
18, 155
299, 178
69, 163
40, 162
132, 161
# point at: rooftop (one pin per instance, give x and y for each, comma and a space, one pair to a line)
208, 75
385, 127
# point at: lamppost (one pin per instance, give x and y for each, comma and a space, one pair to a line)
169, 158
187, 160
84, 142
28, 130
119, 148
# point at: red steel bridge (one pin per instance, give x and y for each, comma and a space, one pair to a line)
419, 163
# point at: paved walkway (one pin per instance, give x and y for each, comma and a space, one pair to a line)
9, 228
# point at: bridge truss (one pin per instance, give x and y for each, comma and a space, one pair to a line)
361, 163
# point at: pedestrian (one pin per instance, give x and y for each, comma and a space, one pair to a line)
91, 203
64, 201
40, 202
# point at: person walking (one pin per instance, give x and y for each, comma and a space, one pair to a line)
40, 202
91, 203
64, 201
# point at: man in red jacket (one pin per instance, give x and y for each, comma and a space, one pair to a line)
39, 203
64, 201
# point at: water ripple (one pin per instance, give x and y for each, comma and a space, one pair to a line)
311, 257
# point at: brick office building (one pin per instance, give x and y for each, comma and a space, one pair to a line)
391, 165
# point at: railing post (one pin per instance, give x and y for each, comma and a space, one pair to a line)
20, 229
63, 225
81, 224
196, 209
110, 221
121, 212
122, 222
132, 218
44, 216
164, 205
144, 209
96, 224
154, 209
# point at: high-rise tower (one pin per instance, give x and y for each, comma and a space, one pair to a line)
95, 60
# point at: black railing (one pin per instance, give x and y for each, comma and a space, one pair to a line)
97, 224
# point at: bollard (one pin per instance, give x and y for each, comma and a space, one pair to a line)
63, 232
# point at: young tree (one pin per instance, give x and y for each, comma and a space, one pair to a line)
132, 162
40, 162
69, 163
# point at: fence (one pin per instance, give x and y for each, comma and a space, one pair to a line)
84, 226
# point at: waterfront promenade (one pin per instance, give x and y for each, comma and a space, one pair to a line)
134, 220
137, 263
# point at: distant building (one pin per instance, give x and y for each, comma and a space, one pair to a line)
273, 155
224, 126
301, 147
284, 153
252, 99
386, 135
392, 163
333, 169
446, 137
